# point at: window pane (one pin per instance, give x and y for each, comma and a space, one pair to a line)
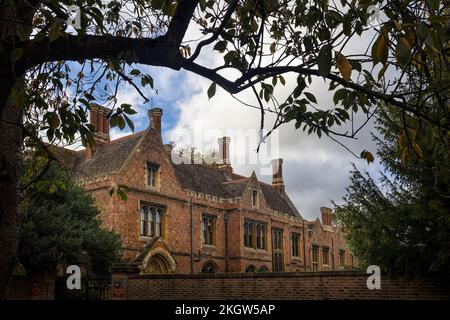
143, 222
204, 223
152, 222
158, 224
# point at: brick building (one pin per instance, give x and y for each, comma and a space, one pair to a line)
192, 218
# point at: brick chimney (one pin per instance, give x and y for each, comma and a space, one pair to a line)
168, 149
99, 119
277, 174
326, 216
224, 154
154, 117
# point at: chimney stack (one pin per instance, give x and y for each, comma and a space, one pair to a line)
99, 119
224, 154
154, 117
277, 174
168, 149
326, 216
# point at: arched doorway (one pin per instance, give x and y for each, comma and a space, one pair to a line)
157, 264
158, 261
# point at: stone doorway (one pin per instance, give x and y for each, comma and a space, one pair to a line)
158, 261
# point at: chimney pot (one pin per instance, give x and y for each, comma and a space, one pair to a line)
155, 115
326, 216
277, 174
168, 149
99, 119
224, 153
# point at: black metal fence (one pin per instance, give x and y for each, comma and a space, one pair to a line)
91, 289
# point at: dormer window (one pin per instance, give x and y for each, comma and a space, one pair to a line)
152, 176
255, 198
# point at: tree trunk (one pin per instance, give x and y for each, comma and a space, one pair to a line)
11, 135
10, 170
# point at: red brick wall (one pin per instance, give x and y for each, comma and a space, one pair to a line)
331, 285
36, 287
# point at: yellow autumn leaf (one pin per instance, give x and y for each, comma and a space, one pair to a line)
417, 151
343, 65
405, 156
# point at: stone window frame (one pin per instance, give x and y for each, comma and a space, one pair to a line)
254, 234
210, 267
298, 245
162, 221
325, 256
156, 168
342, 258
255, 198
214, 219
315, 257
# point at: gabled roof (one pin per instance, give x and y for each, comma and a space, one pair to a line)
211, 180
108, 157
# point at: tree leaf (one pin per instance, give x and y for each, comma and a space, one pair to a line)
16, 54
211, 90
220, 46
157, 4
417, 150
324, 60
403, 52
343, 65
310, 97
54, 32
380, 49
368, 156
273, 47
53, 120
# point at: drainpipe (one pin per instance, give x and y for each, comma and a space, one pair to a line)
304, 246
192, 233
226, 241
332, 253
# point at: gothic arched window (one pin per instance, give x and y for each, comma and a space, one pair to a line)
209, 267
263, 269
250, 268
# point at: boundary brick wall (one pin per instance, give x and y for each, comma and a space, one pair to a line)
276, 286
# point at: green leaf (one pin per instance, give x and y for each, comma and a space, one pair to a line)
422, 31
211, 90
310, 97
340, 94
54, 32
16, 54
220, 46
129, 122
157, 4
120, 122
324, 60
53, 120
135, 72
403, 52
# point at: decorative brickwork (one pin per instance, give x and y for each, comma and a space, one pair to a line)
278, 286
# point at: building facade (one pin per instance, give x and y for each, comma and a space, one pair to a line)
192, 218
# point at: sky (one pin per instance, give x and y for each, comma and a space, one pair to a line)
315, 171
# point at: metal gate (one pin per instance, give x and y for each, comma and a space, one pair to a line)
91, 289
